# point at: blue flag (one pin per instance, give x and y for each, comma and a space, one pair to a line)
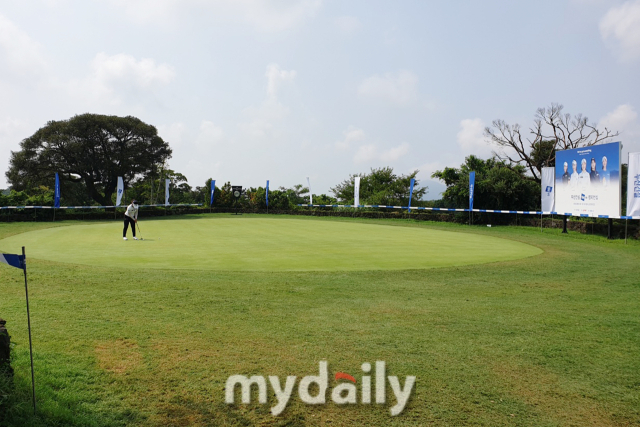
267, 193
413, 181
213, 190
13, 260
472, 181
56, 201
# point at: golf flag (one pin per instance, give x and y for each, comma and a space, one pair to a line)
120, 191
213, 190
548, 192
413, 181
310, 194
166, 191
633, 185
56, 201
356, 191
472, 182
13, 260
267, 193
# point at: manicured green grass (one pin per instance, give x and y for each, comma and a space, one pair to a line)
547, 340
266, 244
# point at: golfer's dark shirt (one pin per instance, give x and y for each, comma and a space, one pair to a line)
565, 178
595, 176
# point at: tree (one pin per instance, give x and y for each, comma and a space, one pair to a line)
498, 185
296, 193
380, 187
90, 149
552, 130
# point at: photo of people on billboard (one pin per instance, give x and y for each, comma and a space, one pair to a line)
588, 180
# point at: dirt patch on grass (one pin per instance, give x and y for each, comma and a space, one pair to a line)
119, 356
552, 397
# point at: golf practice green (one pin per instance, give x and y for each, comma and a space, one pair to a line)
259, 243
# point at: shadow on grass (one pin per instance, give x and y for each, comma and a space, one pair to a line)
66, 395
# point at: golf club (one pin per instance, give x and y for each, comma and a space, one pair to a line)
139, 234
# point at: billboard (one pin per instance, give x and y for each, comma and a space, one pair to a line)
588, 180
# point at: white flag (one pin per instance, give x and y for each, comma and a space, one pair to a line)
310, 194
166, 192
633, 185
548, 193
120, 191
356, 191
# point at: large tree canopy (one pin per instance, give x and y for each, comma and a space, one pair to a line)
91, 149
498, 185
380, 187
552, 130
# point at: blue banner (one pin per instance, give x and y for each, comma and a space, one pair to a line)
413, 181
267, 193
472, 184
213, 190
56, 201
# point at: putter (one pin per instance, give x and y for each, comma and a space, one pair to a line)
139, 234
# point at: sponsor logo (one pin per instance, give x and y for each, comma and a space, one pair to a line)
313, 389
548, 190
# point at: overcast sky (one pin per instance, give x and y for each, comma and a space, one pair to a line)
250, 90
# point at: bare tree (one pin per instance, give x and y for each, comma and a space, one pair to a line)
552, 130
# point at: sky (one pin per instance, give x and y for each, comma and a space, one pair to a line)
250, 90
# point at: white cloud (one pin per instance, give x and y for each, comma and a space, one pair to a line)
209, 134
263, 15
395, 153
262, 120
12, 131
120, 68
173, 133
352, 134
18, 49
471, 138
365, 153
276, 77
623, 119
114, 77
620, 27
347, 24
396, 88
370, 152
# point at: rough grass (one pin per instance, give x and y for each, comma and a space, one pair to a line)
549, 340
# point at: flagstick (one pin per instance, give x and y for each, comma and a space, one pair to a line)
26, 292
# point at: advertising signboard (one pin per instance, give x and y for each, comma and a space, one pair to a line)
588, 180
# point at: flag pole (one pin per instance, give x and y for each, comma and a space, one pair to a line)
26, 292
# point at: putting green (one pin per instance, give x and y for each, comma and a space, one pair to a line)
264, 244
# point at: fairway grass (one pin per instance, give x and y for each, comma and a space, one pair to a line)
546, 340
265, 244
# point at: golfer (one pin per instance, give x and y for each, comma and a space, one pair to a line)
130, 217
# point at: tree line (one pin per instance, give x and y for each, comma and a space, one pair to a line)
91, 151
